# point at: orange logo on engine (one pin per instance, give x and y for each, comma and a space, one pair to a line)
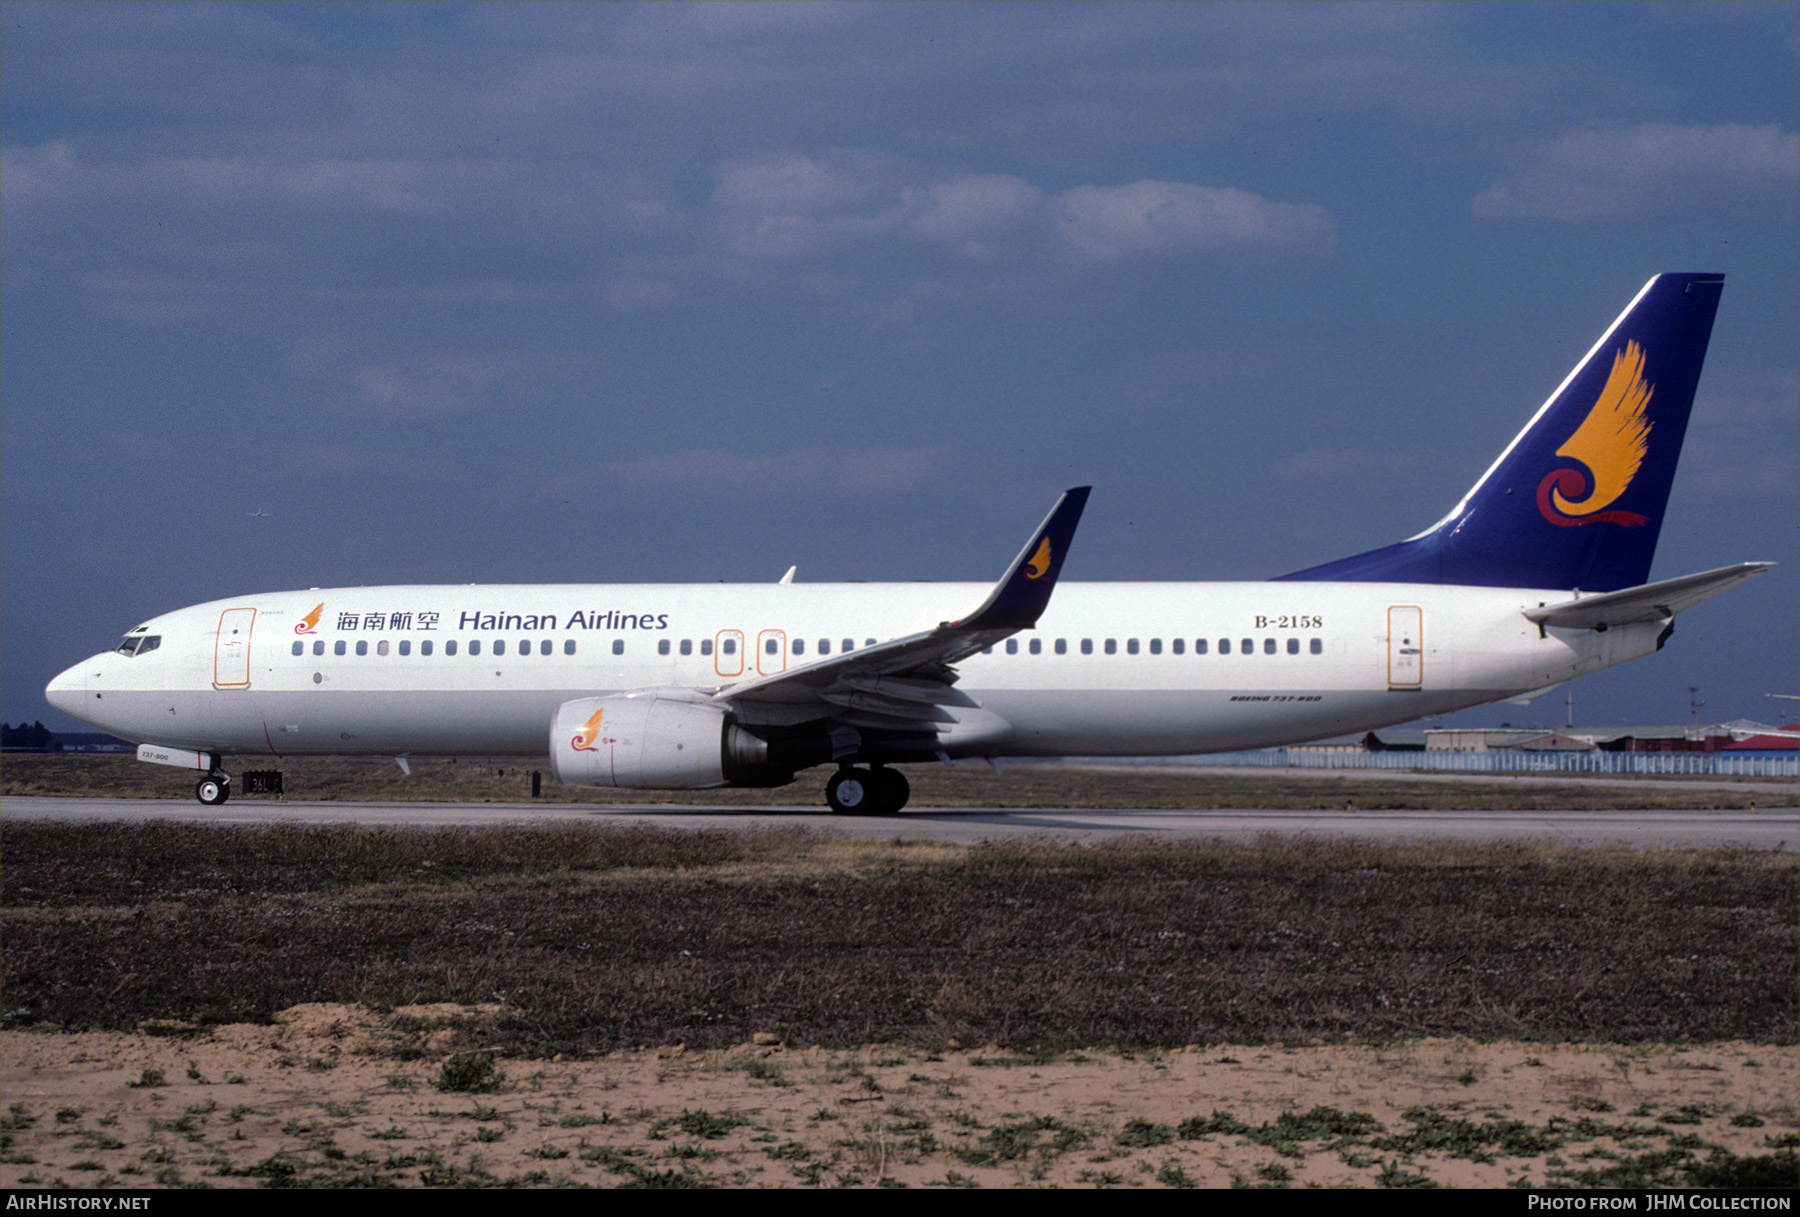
305, 624
1610, 445
1040, 561
590, 731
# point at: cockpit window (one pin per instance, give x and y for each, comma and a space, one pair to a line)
140, 644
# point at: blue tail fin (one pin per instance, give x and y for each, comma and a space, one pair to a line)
1577, 499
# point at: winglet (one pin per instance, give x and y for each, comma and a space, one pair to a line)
1024, 591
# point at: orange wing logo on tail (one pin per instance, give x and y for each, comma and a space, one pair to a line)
590, 731
1610, 445
305, 624
1040, 561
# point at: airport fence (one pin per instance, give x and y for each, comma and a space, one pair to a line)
1648, 764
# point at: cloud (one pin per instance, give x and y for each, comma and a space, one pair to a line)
1108, 224
796, 207
420, 388
859, 471
1741, 442
1619, 173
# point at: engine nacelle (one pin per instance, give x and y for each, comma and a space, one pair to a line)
643, 741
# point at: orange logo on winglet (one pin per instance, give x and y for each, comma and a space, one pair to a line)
1040, 561
1610, 445
305, 624
590, 731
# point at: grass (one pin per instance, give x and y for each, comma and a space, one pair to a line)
607, 938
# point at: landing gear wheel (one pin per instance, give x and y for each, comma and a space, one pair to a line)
851, 792
213, 791
892, 789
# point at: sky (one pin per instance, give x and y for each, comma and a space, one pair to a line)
324, 295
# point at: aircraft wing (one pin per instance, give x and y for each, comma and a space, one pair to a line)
905, 683
1651, 602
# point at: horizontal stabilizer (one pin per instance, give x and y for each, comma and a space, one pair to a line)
1651, 602
1525, 699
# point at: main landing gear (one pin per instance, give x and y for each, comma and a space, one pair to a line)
213, 789
876, 791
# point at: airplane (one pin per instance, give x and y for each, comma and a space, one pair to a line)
1538, 575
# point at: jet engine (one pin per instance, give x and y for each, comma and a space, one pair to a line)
650, 741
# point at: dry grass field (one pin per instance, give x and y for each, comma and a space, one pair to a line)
343, 1096
589, 1005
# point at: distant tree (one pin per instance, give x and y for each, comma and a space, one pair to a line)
35, 738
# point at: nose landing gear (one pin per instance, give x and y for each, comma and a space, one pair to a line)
214, 789
876, 791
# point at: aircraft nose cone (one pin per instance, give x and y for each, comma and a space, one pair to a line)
67, 691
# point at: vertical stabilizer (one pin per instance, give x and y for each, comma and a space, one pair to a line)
1577, 499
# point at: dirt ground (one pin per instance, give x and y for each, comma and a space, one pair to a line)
346, 1096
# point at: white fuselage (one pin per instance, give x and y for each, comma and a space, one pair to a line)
1111, 669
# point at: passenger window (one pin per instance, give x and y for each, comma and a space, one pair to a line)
425, 647
499, 647
1316, 647
706, 646
406, 646
729, 646
299, 648
1037, 646
987, 650
568, 646
1156, 646
849, 645
1199, 646
1012, 646
662, 646
771, 647
687, 646
868, 642
1177, 645
1268, 646
474, 646
799, 646
525, 646
1062, 646
618, 646
1087, 646
1293, 646
337, 648
1112, 646
1224, 646
319, 647
1131, 647
1247, 647
450, 647
824, 646
381, 648
546, 647
362, 646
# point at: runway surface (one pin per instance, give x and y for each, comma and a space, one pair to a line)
1770, 829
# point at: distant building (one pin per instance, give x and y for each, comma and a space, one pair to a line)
35, 737
1738, 735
